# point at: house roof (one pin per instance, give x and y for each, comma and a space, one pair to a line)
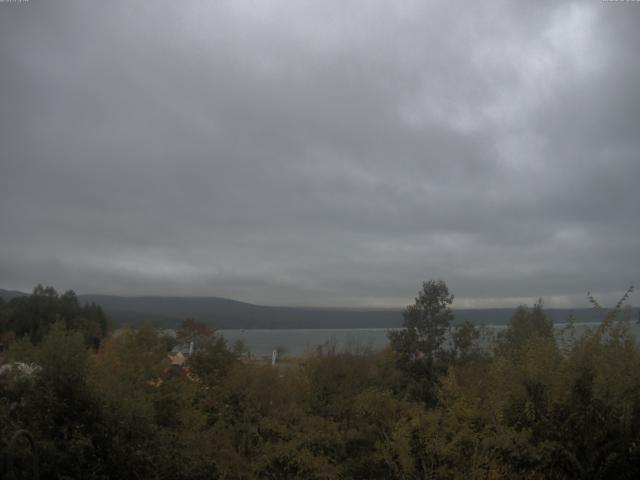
177, 359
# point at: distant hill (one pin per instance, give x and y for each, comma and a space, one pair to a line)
9, 294
222, 313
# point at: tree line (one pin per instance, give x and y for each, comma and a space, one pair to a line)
439, 402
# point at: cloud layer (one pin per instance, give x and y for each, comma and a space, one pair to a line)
321, 153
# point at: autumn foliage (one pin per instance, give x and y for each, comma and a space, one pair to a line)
441, 402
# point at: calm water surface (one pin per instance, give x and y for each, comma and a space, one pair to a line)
299, 342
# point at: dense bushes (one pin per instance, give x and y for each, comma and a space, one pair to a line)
535, 404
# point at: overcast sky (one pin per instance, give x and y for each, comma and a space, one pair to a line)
321, 153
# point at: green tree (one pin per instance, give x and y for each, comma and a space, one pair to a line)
465, 340
420, 342
212, 360
32, 316
526, 323
55, 403
425, 323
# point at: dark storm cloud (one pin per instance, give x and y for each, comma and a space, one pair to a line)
321, 153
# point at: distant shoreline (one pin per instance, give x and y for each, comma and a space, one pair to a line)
223, 313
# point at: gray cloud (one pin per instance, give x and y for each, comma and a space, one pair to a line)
321, 153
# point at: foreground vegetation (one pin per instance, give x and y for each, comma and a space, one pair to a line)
534, 404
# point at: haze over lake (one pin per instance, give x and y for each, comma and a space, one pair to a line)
305, 341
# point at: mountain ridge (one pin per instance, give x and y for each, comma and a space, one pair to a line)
11, 294
225, 313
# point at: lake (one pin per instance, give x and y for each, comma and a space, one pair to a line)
301, 341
